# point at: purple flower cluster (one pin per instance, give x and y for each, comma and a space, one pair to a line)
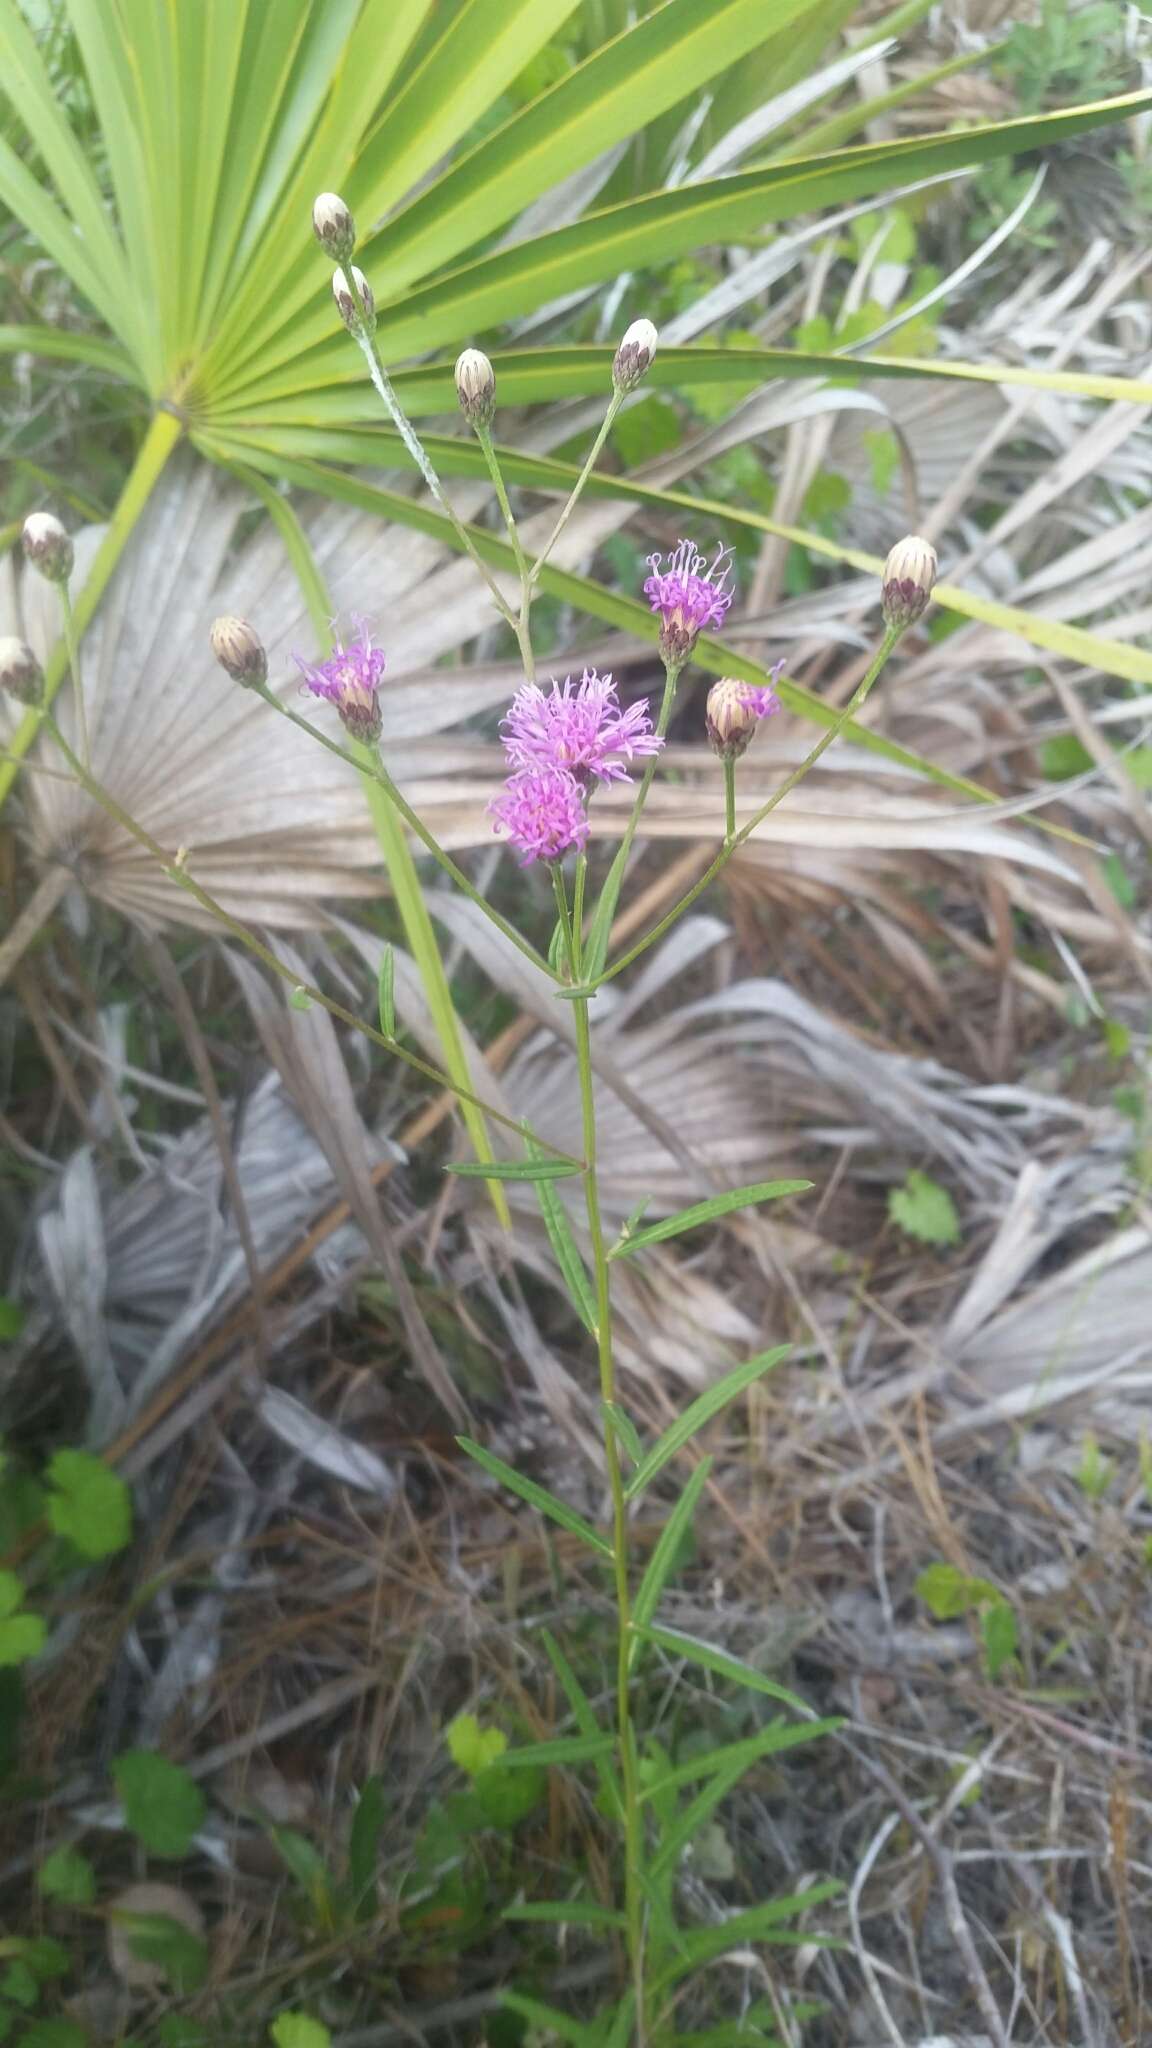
350, 679
688, 597
557, 743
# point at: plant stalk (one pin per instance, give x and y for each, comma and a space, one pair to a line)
73, 646
614, 405
626, 1742
891, 636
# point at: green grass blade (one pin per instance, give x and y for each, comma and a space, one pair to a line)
549, 2021
663, 1559
513, 1169
566, 1749
564, 1912
700, 1411
704, 1212
695, 1652
386, 992
536, 1496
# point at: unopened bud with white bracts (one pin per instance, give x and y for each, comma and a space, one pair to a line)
20, 672
240, 651
334, 227
47, 546
909, 577
634, 357
347, 304
476, 387
734, 710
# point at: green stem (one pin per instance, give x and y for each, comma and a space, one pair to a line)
183, 880
376, 770
522, 625
629, 1774
72, 645
163, 434
729, 799
614, 405
891, 635
364, 335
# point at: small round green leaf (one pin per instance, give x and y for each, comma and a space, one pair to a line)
162, 1804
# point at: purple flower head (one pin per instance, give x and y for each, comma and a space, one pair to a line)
541, 812
580, 729
349, 679
688, 597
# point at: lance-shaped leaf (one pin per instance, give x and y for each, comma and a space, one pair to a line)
536, 1496
700, 1411
703, 1212
695, 1652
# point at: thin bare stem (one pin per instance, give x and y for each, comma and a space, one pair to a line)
522, 622
729, 799
614, 405
365, 338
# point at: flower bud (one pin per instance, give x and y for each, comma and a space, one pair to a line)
20, 672
909, 575
47, 546
476, 387
240, 651
734, 710
334, 227
347, 304
634, 356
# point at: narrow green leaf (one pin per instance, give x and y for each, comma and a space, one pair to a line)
69, 345
566, 1749
536, 1496
781, 1735
700, 1411
667, 1550
514, 1169
550, 2021
759, 1923
386, 992
690, 1820
565, 1913
703, 1212
364, 1846
584, 1715
695, 1652
564, 1246
11, 1594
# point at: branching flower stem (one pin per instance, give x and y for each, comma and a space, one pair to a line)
614, 405
734, 839
629, 1772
